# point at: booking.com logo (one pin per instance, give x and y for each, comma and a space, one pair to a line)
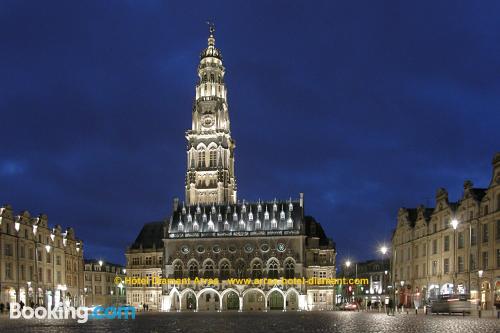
81, 313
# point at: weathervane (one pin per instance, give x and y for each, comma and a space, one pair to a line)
211, 27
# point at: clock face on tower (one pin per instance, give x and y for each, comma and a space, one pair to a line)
207, 120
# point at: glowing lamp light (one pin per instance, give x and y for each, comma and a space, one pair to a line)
52, 236
384, 249
17, 225
35, 227
47, 247
124, 271
454, 223
348, 263
480, 273
100, 263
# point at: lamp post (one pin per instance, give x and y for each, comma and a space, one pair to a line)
454, 224
348, 264
384, 250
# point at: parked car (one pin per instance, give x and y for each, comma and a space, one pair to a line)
451, 304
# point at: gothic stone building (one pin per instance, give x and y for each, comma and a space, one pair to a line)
431, 257
215, 237
39, 264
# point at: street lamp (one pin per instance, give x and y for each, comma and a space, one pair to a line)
100, 263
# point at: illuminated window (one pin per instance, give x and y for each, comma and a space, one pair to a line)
201, 158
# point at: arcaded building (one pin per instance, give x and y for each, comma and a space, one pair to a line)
214, 236
451, 248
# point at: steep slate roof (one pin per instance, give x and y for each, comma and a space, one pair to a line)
314, 229
151, 235
478, 193
412, 216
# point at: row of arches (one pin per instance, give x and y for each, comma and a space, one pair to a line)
252, 299
224, 270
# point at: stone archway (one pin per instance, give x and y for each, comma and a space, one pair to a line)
208, 300
188, 300
292, 300
275, 300
254, 300
175, 301
230, 301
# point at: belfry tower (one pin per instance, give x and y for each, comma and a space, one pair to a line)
210, 148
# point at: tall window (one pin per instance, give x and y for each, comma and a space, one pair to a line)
224, 271
473, 236
472, 262
208, 271
201, 158
213, 157
485, 260
485, 233
434, 246
272, 270
460, 264
434, 267
446, 243
446, 266
256, 271
289, 270
460, 240
193, 271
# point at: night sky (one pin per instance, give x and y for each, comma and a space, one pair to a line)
365, 106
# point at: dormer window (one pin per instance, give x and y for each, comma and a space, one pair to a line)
180, 227
198, 210
275, 207
290, 207
210, 226
250, 216
204, 218
259, 208
190, 218
235, 217
243, 209
226, 226
183, 210
242, 225
274, 224
219, 217
213, 210
282, 215
289, 223
196, 227
266, 215
258, 225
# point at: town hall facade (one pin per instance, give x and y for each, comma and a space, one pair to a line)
216, 241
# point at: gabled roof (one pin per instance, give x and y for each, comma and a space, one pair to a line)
151, 236
314, 229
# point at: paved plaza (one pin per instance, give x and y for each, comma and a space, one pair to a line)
309, 322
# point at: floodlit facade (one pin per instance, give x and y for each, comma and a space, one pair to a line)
217, 241
39, 264
452, 248
145, 260
100, 287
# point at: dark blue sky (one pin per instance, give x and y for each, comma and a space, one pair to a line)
365, 106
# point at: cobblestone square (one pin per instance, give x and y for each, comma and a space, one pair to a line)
316, 322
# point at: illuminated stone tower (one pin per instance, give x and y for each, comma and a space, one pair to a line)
210, 149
